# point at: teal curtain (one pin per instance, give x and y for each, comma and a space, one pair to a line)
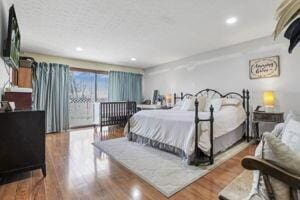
125, 86
51, 93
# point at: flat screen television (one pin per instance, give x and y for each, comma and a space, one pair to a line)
11, 52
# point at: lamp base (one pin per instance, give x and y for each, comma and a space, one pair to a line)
269, 109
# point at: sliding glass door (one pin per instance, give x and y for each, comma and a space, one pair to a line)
87, 90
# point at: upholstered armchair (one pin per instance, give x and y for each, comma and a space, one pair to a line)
274, 171
240, 187
267, 169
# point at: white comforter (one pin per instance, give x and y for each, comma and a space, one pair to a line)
177, 128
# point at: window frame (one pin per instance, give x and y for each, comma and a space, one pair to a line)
96, 72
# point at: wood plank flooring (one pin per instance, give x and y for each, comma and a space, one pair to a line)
77, 170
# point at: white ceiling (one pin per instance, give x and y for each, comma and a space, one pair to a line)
152, 31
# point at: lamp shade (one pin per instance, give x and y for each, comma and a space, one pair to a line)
168, 98
269, 99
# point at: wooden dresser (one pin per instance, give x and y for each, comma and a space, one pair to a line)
23, 100
22, 142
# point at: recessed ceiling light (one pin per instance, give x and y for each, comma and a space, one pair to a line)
79, 49
133, 59
231, 20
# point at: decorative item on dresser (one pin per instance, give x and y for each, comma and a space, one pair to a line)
23, 76
116, 113
192, 120
22, 142
259, 116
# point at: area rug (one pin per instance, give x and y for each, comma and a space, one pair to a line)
164, 171
239, 188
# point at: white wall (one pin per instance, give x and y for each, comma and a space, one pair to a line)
3, 32
227, 69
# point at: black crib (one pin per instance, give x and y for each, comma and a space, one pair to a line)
116, 113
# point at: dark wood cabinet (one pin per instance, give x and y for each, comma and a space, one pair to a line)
22, 142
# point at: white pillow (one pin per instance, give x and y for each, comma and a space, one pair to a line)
188, 105
216, 103
291, 115
285, 157
202, 103
291, 135
230, 102
178, 104
278, 130
288, 117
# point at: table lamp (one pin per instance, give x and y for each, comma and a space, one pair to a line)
269, 100
168, 99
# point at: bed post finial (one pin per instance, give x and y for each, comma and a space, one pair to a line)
211, 157
196, 109
174, 99
244, 99
211, 109
128, 117
248, 115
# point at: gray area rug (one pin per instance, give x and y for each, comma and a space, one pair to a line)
164, 171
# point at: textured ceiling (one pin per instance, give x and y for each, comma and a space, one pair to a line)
152, 31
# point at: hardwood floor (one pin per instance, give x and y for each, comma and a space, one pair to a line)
77, 170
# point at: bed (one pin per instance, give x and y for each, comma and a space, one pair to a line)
193, 135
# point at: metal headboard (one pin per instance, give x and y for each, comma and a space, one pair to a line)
245, 96
212, 93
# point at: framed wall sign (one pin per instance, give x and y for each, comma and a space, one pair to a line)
264, 67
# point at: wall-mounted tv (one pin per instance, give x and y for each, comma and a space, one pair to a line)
11, 52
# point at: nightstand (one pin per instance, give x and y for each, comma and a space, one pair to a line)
274, 117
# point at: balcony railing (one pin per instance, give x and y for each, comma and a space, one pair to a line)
84, 111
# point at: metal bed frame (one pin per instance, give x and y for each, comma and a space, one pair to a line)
200, 157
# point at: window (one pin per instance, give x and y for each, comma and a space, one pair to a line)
87, 90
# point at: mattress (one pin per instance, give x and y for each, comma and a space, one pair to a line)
177, 128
